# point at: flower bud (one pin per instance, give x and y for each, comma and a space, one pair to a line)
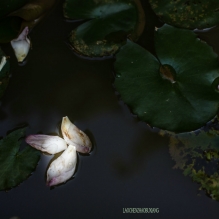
75, 136
2, 63
21, 45
46, 143
63, 168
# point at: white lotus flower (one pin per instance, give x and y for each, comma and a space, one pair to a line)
3, 62
75, 136
21, 45
63, 168
46, 143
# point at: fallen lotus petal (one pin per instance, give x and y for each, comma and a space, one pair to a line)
3, 62
46, 143
75, 136
21, 45
63, 168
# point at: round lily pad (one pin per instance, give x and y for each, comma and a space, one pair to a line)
108, 23
187, 14
178, 89
4, 73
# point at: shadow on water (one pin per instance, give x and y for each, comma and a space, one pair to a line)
136, 156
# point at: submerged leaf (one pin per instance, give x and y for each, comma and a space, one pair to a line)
197, 154
187, 14
4, 72
178, 89
16, 164
27, 13
107, 26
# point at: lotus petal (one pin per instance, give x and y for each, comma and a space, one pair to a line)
75, 136
63, 168
21, 45
47, 143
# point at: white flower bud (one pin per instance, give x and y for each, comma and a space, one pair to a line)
75, 136
3, 62
21, 45
46, 143
63, 168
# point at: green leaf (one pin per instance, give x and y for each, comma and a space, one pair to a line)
4, 74
187, 14
108, 24
178, 90
16, 165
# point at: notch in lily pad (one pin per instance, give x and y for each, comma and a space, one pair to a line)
107, 25
178, 89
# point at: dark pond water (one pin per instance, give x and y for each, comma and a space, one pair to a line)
129, 167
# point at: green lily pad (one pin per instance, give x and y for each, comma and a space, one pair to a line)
175, 91
197, 154
16, 165
108, 23
187, 14
4, 74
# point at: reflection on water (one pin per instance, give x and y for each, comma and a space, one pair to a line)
197, 155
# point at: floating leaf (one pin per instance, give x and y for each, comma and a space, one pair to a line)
27, 13
107, 26
4, 72
187, 14
197, 154
16, 164
178, 90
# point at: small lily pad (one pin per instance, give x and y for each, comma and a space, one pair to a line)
175, 91
187, 14
4, 73
16, 164
108, 23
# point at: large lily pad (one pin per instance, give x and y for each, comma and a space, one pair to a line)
4, 73
108, 24
16, 165
197, 154
178, 89
187, 14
